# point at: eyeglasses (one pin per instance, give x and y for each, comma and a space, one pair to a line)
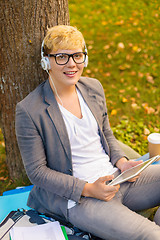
63, 58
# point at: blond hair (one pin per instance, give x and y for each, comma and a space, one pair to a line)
63, 37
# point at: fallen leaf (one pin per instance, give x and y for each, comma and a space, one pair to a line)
140, 74
124, 100
106, 47
2, 143
136, 49
122, 90
146, 131
135, 89
113, 112
104, 23
135, 106
156, 129
144, 105
108, 74
109, 56
150, 79
88, 71
145, 137
133, 99
120, 45
119, 23
90, 47
3, 178
133, 73
124, 66
138, 95
148, 109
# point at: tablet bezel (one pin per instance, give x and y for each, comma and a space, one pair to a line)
145, 164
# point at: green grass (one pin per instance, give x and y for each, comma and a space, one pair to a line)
6, 183
124, 54
123, 42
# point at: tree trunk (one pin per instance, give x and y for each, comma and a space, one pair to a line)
23, 25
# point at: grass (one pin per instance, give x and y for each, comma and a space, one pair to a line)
123, 42
6, 183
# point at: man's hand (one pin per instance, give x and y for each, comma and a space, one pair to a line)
100, 190
123, 164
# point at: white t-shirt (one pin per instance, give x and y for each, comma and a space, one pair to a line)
89, 160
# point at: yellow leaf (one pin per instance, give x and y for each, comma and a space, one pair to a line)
144, 105
135, 23
124, 66
104, 23
124, 100
113, 112
2, 143
136, 49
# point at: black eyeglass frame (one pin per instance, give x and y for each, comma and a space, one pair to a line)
69, 55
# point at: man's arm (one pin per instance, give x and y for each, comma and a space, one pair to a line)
35, 160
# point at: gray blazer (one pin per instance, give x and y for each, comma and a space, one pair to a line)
45, 148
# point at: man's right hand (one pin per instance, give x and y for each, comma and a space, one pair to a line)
100, 190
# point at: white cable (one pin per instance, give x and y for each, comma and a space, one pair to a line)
55, 88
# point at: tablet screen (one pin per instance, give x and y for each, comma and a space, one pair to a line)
132, 172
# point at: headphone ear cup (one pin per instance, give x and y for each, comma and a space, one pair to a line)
45, 63
86, 61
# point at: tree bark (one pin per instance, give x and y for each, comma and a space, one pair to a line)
23, 25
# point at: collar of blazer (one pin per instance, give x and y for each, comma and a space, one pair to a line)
88, 88
90, 96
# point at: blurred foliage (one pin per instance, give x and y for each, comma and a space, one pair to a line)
6, 183
123, 43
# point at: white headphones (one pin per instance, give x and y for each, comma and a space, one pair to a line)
86, 60
45, 64
45, 60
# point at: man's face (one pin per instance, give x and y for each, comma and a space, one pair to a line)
65, 75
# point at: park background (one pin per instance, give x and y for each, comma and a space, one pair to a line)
123, 41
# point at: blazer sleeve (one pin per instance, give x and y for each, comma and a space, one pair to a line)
35, 162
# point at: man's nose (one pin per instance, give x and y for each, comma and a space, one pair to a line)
71, 62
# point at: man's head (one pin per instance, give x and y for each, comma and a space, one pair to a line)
63, 37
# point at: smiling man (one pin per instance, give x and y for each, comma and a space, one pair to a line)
70, 153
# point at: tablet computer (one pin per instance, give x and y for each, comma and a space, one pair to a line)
133, 172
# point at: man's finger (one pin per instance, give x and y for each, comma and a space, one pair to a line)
106, 178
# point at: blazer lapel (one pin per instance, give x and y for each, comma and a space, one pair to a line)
57, 119
91, 100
